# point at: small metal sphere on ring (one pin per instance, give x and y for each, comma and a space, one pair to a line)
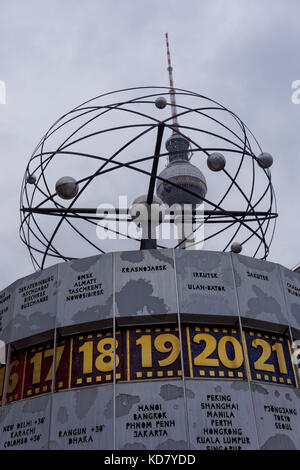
216, 161
265, 160
31, 179
160, 102
236, 247
66, 187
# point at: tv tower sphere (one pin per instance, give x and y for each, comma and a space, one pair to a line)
181, 172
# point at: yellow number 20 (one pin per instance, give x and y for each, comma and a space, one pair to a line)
203, 358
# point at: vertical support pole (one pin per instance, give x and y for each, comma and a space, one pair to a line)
114, 348
54, 364
52, 381
6, 378
291, 336
149, 242
244, 349
181, 356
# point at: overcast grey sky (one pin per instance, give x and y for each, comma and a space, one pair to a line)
57, 54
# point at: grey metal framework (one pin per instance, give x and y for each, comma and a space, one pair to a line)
257, 214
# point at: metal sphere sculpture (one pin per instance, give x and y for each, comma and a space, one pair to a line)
265, 160
236, 247
66, 187
216, 161
113, 145
141, 208
161, 102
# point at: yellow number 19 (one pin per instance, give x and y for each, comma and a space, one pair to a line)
160, 344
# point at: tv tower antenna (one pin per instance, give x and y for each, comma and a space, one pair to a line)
172, 91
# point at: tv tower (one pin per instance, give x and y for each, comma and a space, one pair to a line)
179, 169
